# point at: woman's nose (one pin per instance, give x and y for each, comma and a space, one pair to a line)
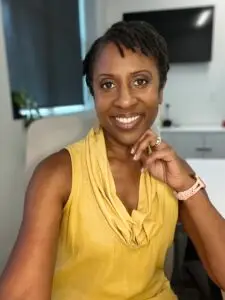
125, 98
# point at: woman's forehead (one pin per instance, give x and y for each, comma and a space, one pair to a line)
110, 60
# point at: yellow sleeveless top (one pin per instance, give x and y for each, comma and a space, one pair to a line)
103, 252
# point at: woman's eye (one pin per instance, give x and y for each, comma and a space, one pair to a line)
107, 85
140, 82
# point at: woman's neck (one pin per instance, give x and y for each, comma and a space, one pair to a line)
117, 150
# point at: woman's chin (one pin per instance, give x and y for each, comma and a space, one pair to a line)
127, 138
124, 134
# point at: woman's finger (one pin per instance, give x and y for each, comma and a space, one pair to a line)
150, 141
136, 145
141, 148
167, 155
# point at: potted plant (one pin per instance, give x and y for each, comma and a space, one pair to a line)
21, 100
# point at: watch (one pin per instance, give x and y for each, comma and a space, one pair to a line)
198, 185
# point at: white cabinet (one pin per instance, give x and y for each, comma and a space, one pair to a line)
198, 144
216, 142
185, 144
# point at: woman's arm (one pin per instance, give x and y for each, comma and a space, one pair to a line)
203, 223
29, 272
206, 228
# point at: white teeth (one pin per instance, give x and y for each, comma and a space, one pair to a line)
127, 120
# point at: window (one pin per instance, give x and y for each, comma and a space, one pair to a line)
44, 51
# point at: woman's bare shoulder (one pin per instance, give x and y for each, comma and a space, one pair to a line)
54, 171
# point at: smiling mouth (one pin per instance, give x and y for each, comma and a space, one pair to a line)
127, 122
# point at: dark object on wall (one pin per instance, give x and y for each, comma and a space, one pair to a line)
167, 122
189, 279
188, 31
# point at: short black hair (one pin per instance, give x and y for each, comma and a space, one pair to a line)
135, 36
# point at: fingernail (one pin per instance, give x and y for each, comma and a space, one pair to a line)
132, 151
135, 157
143, 170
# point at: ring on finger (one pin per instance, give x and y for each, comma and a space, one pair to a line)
158, 141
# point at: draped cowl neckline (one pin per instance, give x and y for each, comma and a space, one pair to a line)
134, 230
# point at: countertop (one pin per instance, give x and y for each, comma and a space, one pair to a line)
193, 128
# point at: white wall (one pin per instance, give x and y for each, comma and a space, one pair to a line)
195, 91
91, 21
12, 159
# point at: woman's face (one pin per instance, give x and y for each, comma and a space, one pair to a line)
126, 92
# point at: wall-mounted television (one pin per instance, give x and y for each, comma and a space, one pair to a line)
188, 32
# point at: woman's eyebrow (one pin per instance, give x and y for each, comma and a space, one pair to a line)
132, 73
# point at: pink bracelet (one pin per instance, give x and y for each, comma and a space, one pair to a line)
198, 185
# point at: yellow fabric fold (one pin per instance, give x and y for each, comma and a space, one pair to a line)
134, 230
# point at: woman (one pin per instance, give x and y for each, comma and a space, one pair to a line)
105, 208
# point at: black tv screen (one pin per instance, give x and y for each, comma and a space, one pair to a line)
188, 32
